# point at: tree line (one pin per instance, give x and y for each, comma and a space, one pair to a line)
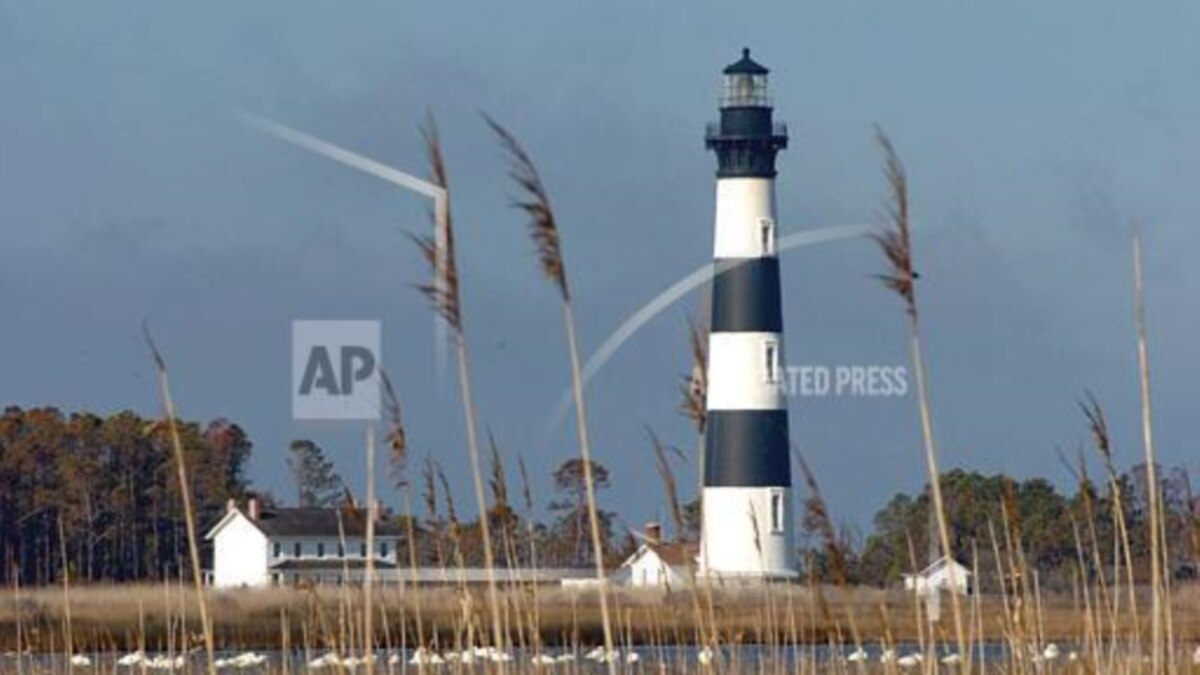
989, 516
96, 496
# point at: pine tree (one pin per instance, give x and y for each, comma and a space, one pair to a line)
317, 484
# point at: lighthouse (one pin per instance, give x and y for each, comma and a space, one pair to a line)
747, 516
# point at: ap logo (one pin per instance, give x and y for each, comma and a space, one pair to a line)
335, 370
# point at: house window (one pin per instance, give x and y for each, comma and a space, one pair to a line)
766, 236
362, 550
383, 549
776, 511
320, 549
771, 362
341, 550
297, 549
278, 549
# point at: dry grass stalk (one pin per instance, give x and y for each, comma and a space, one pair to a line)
368, 638
545, 234
894, 242
1158, 556
185, 493
443, 295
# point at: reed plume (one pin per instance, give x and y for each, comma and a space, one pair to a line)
443, 297
895, 243
396, 437
816, 517
668, 477
694, 389
1098, 426
543, 229
164, 386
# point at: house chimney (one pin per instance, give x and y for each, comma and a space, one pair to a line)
230, 505
653, 533
252, 508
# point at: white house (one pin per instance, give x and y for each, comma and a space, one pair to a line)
258, 547
944, 574
656, 563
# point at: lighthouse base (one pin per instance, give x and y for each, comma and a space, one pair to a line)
746, 534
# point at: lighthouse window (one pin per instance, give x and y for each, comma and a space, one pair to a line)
771, 362
776, 511
766, 235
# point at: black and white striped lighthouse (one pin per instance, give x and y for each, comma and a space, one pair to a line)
747, 528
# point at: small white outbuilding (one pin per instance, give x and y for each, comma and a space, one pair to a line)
659, 564
944, 574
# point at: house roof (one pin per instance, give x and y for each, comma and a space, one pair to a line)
306, 522
675, 554
332, 565
312, 522
940, 563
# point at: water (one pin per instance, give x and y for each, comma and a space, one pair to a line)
649, 659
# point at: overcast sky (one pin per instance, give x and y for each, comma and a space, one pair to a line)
1033, 133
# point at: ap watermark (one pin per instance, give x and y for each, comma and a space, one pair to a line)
335, 370
850, 381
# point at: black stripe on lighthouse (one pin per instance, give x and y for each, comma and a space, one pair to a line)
747, 448
745, 296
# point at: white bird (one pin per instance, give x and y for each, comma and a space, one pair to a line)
423, 656
352, 662
164, 662
857, 656
632, 657
888, 656
568, 657
600, 656
132, 659
325, 661
909, 660
222, 663
80, 660
247, 660
705, 656
1072, 655
1050, 652
542, 660
951, 659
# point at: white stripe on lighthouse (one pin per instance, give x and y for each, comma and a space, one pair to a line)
744, 207
745, 371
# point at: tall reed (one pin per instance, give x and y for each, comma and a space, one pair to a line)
543, 229
443, 296
186, 495
894, 241
1153, 489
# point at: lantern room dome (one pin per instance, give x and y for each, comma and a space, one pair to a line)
746, 66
